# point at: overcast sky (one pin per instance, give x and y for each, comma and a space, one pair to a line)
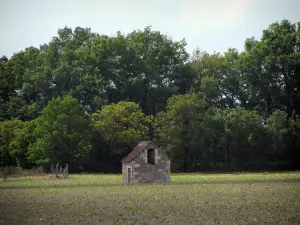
211, 25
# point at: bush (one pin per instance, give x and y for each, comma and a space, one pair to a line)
8, 171
11, 171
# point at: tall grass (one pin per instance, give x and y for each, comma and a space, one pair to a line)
45, 180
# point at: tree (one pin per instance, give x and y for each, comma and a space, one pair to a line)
121, 123
219, 77
116, 130
294, 142
178, 129
243, 135
145, 66
207, 68
278, 129
6, 87
271, 67
61, 134
17, 103
214, 148
7, 129
18, 147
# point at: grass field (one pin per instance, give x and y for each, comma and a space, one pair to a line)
261, 198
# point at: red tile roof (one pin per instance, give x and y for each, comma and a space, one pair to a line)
140, 147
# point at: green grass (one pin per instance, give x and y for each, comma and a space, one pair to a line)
250, 198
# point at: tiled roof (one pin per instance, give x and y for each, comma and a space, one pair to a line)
140, 147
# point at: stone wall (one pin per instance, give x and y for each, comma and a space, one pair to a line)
141, 171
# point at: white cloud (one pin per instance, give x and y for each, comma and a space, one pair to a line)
213, 15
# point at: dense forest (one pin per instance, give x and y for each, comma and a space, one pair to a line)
87, 99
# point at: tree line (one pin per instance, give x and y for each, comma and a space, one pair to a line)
87, 99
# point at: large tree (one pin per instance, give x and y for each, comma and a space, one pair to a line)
143, 66
272, 67
177, 129
122, 123
7, 130
18, 147
62, 133
244, 134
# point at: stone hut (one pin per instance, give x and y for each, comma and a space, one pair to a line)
146, 163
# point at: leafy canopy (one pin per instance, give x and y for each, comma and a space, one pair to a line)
123, 122
61, 133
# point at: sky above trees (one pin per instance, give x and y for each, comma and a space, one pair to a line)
211, 25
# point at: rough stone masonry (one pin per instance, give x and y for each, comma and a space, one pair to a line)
146, 163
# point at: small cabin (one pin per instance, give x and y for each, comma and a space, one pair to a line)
146, 163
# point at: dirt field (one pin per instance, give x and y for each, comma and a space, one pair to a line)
269, 198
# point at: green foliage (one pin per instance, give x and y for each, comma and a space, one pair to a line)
271, 66
278, 130
243, 133
210, 108
7, 130
294, 141
178, 128
214, 148
22, 138
195, 136
61, 133
122, 123
284, 135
